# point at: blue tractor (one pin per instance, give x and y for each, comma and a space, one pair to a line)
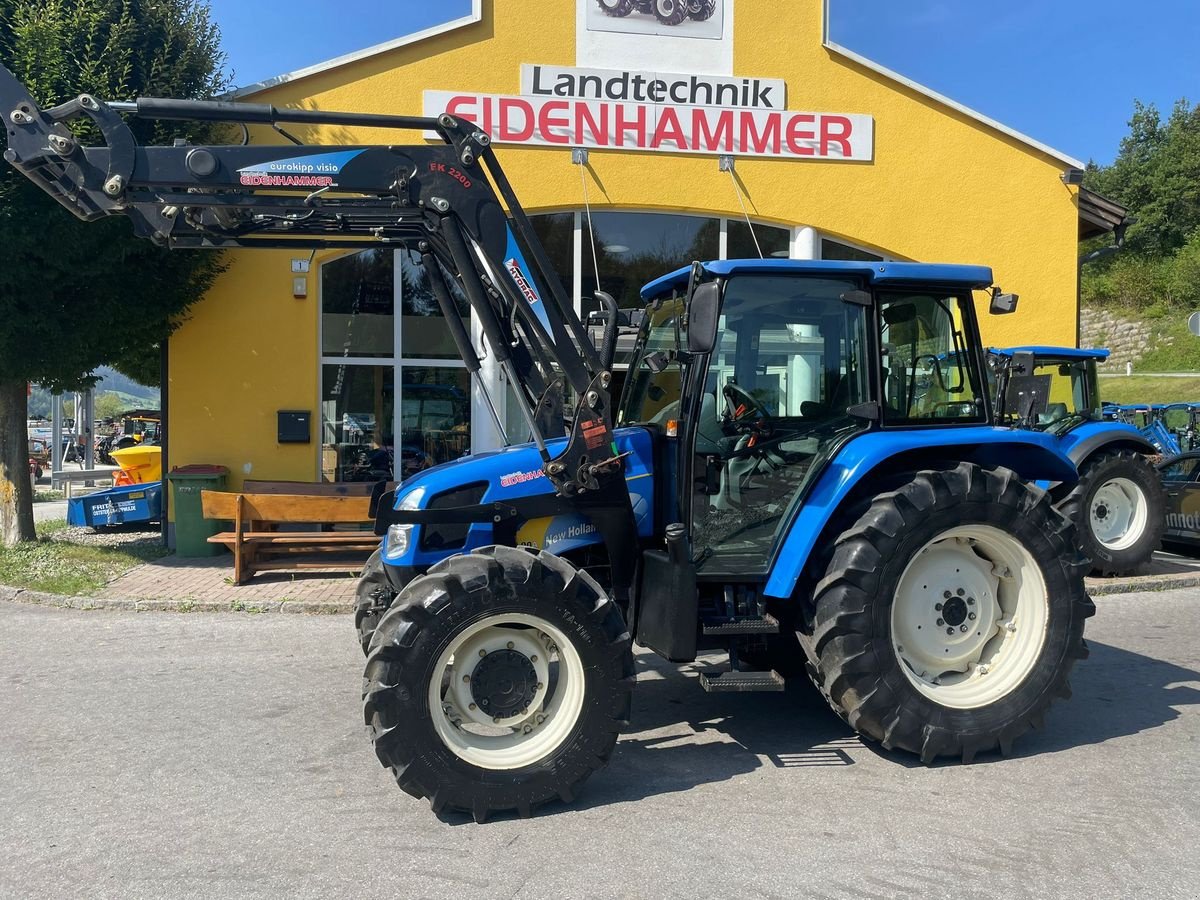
1118, 504
804, 468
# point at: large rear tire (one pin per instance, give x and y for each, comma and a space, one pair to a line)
1119, 508
497, 681
950, 613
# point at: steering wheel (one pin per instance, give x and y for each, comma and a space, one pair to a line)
743, 411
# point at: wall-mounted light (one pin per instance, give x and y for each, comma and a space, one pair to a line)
1072, 176
299, 287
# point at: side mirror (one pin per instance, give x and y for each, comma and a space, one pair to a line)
1022, 364
704, 312
1002, 304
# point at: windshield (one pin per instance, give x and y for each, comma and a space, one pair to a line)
655, 381
1055, 398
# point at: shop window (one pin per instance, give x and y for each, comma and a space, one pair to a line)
837, 250
357, 406
423, 331
635, 248
556, 231
739, 243
358, 305
435, 416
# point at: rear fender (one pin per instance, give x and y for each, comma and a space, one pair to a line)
1032, 455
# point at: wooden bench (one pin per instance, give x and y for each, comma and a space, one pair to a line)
259, 545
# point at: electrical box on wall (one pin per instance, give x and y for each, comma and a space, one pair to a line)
295, 426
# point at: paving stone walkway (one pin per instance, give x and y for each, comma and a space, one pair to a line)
203, 584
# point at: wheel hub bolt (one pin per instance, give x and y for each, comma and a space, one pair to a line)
946, 595
938, 607
960, 592
949, 631
963, 628
510, 645
496, 720
467, 679
983, 670
482, 653
533, 658
472, 706
539, 686
941, 622
970, 601
970, 615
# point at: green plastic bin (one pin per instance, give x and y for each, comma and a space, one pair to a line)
192, 530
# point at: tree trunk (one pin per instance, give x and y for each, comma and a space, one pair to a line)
16, 493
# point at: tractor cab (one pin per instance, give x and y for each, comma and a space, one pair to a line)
1052, 389
804, 357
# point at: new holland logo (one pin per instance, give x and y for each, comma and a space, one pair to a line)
523, 283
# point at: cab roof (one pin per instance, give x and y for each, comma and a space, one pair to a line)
1096, 353
880, 273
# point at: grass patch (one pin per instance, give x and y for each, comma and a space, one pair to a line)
59, 567
1148, 389
47, 496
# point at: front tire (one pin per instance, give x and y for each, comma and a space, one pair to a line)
702, 10
498, 681
671, 12
1119, 509
950, 613
618, 8
373, 597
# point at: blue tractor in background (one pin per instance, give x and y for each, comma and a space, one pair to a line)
1118, 504
804, 451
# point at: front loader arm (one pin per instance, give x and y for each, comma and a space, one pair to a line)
446, 202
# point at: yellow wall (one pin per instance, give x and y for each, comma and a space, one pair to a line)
942, 187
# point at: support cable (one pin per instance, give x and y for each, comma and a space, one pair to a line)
737, 188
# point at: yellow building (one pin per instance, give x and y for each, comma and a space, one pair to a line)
743, 112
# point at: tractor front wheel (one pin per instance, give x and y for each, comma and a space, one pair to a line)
702, 10
950, 613
497, 681
1119, 508
373, 596
618, 8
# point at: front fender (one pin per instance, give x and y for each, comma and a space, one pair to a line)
1032, 455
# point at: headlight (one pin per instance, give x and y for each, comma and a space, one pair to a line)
400, 536
397, 540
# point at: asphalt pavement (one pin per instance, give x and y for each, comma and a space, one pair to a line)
223, 755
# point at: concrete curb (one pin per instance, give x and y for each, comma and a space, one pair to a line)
1144, 583
1095, 588
146, 604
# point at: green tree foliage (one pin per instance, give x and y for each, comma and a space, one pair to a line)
75, 296
1156, 175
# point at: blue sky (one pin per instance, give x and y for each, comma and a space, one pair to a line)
1066, 75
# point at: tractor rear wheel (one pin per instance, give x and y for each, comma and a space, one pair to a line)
1119, 509
373, 595
671, 12
950, 613
497, 681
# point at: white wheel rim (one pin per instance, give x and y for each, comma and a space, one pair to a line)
666, 7
982, 579
1118, 512
523, 735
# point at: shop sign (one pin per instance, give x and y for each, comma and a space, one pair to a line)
667, 127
